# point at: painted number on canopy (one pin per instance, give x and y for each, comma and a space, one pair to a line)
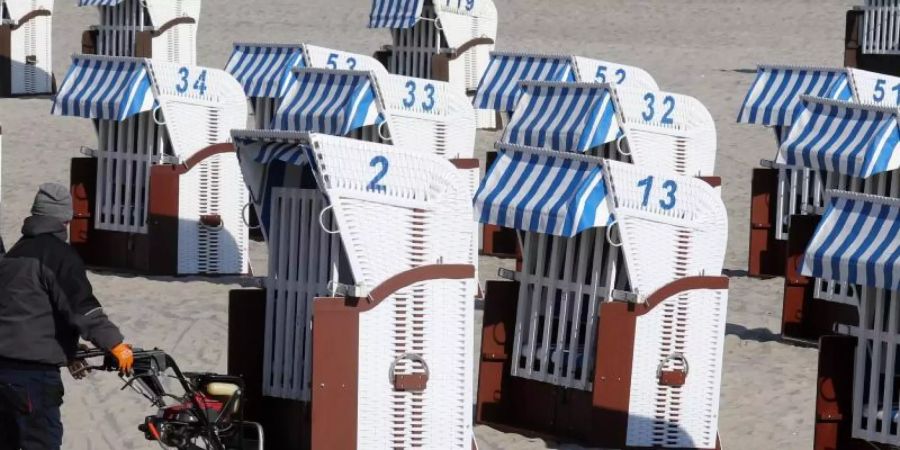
199, 83
410, 100
382, 162
601, 75
650, 112
333, 60
879, 94
669, 186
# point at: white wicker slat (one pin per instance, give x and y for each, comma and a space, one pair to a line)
693, 324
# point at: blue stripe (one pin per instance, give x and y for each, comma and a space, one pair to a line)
560, 117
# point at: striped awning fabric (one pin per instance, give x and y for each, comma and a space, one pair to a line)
395, 13
573, 117
543, 191
332, 102
97, 87
774, 97
499, 88
264, 70
277, 162
290, 153
856, 241
99, 2
845, 138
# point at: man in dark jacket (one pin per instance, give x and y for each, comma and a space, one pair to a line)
46, 304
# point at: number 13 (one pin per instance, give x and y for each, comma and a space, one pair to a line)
670, 186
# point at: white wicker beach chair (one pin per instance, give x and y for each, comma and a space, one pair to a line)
845, 146
408, 112
880, 30
597, 231
26, 56
658, 130
323, 193
855, 243
773, 100
499, 88
445, 41
150, 113
265, 71
165, 30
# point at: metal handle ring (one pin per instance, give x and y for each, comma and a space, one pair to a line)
322, 221
609, 228
217, 228
412, 357
245, 217
619, 147
380, 133
674, 357
156, 119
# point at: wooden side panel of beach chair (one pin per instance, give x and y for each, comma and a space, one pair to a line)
853, 245
430, 115
668, 130
125, 153
562, 283
304, 259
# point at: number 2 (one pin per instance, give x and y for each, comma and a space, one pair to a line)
378, 161
183, 86
667, 117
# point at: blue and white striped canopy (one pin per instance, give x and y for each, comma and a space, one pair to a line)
264, 70
563, 116
845, 138
395, 13
543, 191
99, 2
281, 164
104, 88
499, 87
333, 102
774, 97
856, 241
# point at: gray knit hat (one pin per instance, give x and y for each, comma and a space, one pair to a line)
53, 200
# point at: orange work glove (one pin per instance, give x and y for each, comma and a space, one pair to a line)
124, 356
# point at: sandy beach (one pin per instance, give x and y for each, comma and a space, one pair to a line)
703, 48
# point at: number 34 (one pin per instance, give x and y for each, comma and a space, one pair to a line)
199, 85
670, 187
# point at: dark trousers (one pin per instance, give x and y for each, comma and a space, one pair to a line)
29, 409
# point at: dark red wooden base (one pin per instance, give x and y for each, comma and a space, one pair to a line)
285, 423
766, 256
543, 410
804, 317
